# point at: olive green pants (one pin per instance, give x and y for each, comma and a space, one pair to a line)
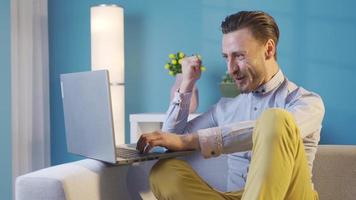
278, 168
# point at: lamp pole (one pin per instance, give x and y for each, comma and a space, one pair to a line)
107, 52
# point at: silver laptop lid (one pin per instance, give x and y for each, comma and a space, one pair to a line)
88, 115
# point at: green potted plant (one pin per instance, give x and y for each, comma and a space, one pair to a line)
228, 87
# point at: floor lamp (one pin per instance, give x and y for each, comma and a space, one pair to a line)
107, 52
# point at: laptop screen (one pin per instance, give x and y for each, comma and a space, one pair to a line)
88, 114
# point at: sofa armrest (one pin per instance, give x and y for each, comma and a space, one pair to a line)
86, 179
92, 180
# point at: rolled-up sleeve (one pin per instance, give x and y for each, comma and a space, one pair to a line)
229, 138
210, 141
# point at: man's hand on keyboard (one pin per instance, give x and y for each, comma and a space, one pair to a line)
171, 141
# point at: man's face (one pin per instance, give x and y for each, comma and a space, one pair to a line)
245, 59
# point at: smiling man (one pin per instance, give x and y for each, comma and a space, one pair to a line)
270, 131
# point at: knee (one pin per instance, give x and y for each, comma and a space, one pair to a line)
275, 123
278, 115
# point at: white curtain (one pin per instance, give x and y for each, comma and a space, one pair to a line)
29, 86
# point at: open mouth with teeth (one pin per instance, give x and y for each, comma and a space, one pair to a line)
240, 78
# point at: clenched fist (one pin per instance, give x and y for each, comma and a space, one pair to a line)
191, 73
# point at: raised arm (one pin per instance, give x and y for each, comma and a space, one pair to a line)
178, 111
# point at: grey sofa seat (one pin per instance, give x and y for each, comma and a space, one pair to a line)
334, 172
334, 178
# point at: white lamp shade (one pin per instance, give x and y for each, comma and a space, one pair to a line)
107, 52
107, 40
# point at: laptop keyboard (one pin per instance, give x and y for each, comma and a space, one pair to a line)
128, 153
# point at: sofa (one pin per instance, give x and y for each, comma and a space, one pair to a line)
334, 177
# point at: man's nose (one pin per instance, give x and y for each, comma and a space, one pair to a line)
232, 67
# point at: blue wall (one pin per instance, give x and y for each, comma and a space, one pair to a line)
5, 112
317, 50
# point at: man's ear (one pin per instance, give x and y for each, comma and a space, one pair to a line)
270, 49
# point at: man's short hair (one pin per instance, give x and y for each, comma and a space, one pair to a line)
261, 24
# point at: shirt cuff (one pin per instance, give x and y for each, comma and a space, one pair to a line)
210, 141
182, 99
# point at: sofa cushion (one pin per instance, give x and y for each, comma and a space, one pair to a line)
334, 172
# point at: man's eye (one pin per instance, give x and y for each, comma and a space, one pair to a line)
240, 56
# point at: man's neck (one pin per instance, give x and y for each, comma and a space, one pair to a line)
272, 69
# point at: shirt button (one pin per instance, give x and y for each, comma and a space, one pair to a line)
254, 108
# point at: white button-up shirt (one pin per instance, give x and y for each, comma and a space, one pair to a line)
227, 126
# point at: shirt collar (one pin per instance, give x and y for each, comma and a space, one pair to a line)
276, 80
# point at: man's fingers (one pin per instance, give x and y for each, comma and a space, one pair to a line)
145, 141
141, 144
197, 68
152, 144
192, 61
148, 147
196, 62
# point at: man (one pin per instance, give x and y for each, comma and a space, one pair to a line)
279, 121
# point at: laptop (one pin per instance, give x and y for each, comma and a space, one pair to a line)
89, 122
